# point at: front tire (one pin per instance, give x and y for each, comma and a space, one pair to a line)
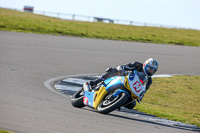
107, 106
77, 99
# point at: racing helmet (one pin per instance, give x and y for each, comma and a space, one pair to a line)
150, 67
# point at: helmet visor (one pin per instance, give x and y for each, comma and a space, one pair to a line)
150, 70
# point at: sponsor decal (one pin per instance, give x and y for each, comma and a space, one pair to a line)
85, 100
131, 77
137, 86
141, 81
121, 79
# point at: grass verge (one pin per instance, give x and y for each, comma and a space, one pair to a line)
28, 22
3, 131
174, 98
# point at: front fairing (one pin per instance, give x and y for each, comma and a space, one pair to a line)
136, 84
94, 98
114, 83
107, 81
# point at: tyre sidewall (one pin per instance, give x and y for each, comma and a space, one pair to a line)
120, 102
77, 99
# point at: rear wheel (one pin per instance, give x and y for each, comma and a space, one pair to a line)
77, 99
131, 105
109, 103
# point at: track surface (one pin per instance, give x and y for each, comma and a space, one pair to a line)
28, 60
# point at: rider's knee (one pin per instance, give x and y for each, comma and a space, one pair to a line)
108, 70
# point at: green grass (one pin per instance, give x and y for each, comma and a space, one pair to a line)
28, 22
3, 131
175, 98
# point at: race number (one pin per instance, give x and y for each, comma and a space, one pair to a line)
137, 86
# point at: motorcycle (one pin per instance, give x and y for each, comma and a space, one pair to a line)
112, 93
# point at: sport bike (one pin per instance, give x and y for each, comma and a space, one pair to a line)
112, 93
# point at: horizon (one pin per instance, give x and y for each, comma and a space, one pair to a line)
172, 13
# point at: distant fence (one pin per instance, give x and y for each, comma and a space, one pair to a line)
76, 17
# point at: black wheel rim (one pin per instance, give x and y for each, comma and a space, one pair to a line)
109, 100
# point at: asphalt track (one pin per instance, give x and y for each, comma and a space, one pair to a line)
28, 60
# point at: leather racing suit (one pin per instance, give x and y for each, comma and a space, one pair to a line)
122, 70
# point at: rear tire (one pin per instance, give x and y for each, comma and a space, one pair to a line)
77, 99
131, 105
119, 101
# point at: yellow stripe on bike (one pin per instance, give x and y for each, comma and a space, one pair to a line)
99, 95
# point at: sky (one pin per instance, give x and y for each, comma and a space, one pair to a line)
177, 13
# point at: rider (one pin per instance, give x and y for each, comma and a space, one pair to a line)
148, 68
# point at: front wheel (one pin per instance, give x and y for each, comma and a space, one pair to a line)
77, 99
109, 104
